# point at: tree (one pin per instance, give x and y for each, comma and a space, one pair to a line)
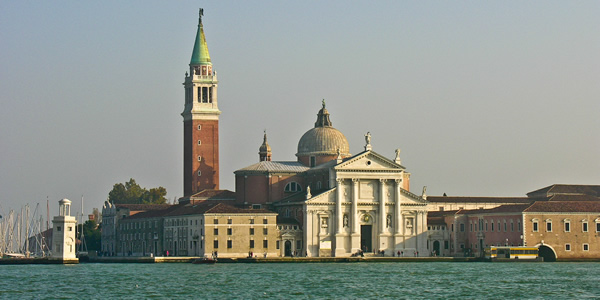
92, 235
131, 193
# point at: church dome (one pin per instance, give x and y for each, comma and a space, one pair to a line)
323, 139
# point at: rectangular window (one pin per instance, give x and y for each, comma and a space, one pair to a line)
216, 232
586, 247
277, 245
585, 226
471, 227
229, 221
71, 228
567, 227
549, 226
251, 221
597, 227
265, 244
216, 244
486, 226
313, 161
512, 227
229, 244
567, 247
504, 226
199, 127
229, 231
251, 231
265, 231
452, 227
251, 243
446, 244
519, 225
58, 228
535, 226
462, 227
265, 221
216, 221
492, 226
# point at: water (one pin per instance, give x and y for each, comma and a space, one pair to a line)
308, 280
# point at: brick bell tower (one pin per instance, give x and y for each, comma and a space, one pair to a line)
200, 121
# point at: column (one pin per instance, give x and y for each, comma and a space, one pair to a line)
398, 206
339, 214
382, 217
355, 205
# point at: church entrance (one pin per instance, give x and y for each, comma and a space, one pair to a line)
288, 248
436, 248
366, 238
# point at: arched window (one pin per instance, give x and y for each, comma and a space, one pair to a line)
293, 187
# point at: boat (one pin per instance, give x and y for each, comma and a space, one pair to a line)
204, 260
512, 253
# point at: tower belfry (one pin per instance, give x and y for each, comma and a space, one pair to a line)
200, 120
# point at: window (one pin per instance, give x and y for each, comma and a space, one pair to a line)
199, 127
251, 231
446, 244
462, 227
567, 226
512, 226
216, 244
548, 225
199, 158
199, 143
216, 221
256, 206
471, 227
265, 244
535, 226
199, 173
229, 244
216, 232
251, 221
586, 247
319, 185
486, 226
251, 243
313, 161
58, 228
71, 228
265, 221
452, 227
597, 226
585, 226
567, 247
229, 231
505, 226
519, 225
265, 231
229, 221
293, 187
492, 229
277, 245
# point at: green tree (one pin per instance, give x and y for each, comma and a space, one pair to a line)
92, 235
132, 193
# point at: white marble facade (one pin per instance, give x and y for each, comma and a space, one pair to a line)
367, 209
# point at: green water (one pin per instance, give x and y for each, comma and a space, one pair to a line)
310, 280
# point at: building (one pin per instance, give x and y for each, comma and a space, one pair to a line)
340, 203
63, 233
563, 221
200, 121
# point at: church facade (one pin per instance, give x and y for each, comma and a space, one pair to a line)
344, 204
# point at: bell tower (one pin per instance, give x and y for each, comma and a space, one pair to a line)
200, 120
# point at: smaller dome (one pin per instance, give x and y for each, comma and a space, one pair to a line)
64, 201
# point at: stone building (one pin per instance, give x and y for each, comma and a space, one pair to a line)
342, 203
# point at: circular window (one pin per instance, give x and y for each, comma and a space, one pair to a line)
368, 163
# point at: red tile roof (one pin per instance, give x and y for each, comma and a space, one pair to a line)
564, 206
454, 199
592, 190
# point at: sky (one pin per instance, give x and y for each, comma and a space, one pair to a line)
485, 98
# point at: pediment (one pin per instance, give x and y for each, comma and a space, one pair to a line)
369, 161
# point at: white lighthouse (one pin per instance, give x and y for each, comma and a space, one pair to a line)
63, 233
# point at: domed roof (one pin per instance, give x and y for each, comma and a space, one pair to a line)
323, 139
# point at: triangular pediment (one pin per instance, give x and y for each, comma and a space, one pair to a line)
369, 161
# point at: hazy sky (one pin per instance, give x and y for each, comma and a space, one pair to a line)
485, 98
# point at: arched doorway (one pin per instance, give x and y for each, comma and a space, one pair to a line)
547, 253
287, 248
436, 248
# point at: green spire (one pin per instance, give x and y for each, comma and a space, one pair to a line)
200, 54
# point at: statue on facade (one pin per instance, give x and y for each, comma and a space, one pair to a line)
368, 141
388, 221
345, 220
397, 159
